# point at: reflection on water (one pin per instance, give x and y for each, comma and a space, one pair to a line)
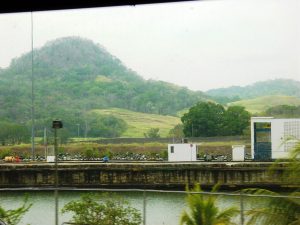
162, 208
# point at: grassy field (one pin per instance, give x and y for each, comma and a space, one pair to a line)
260, 104
139, 123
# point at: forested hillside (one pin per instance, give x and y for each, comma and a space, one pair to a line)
72, 76
263, 88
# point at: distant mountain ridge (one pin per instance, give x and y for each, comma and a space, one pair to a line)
287, 87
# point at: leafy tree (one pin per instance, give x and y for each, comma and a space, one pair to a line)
102, 210
177, 131
13, 133
152, 133
208, 119
203, 209
236, 119
105, 125
204, 119
14, 216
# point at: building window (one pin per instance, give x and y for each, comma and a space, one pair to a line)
172, 149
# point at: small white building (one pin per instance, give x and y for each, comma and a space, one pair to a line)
182, 152
273, 138
238, 153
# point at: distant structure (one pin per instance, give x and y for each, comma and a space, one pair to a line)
238, 153
273, 138
182, 152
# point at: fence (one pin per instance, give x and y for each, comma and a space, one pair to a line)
162, 140
240, 199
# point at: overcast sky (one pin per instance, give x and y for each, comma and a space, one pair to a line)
200, 44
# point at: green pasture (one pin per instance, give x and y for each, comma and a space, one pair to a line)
260, 104
139, 123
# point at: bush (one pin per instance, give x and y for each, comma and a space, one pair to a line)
102, 209
5, 152
107, 153
13, 216
91, 153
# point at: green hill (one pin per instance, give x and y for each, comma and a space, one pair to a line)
261, 104
72, 76
139, 123
287, 87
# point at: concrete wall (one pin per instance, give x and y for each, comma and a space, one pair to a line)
141, 175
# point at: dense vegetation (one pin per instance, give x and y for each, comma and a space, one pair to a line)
104, 209
208, 119
73, 76
284, 111
270, 87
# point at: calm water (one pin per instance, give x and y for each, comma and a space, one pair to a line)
162, 208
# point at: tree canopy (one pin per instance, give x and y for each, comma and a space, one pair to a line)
208, 119
102, 209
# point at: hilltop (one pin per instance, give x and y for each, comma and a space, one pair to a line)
72, 76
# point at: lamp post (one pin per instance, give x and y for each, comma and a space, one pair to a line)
56, 124
78, 126
32, 97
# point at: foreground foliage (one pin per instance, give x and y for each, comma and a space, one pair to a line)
278, 210
14, 216
275, 210
102, 209
204, 211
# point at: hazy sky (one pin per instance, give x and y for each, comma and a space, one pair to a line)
199, 44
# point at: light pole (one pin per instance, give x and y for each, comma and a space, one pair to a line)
56, 124
32, 97
78, 126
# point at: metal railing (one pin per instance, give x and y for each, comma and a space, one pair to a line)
145, 192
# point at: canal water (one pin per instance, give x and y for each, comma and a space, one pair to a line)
161, 208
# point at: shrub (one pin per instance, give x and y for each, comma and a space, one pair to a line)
104, 209
13, 216
5, 152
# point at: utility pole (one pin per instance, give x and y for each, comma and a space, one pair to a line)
45, 141
192, 130
32, 96
78, 125
56, 124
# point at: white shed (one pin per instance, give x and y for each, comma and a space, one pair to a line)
182, 152
273, 138
238, 153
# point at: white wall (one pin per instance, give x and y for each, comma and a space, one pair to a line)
238, 153
278, 138
182, 152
